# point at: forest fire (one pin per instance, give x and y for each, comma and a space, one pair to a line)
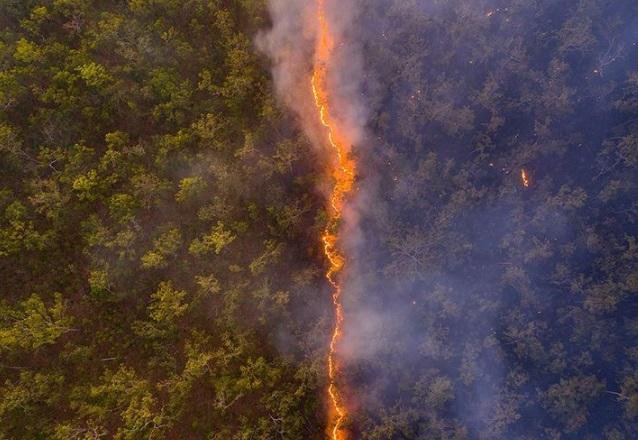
343, 173
525, 178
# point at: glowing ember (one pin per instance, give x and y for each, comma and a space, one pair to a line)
343, 172
524, 178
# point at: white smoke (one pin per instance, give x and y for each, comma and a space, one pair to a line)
290, 45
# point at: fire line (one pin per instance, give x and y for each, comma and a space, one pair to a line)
343, 172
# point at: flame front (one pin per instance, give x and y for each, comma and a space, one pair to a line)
343, 172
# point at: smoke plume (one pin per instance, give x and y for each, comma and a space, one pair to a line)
466, 290
290, 45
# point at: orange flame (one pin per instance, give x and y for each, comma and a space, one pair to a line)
343, 173
525, 178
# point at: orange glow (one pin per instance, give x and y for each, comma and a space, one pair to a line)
525, 178
343, 172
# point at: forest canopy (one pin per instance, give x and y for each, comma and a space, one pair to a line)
161, 208
155, 213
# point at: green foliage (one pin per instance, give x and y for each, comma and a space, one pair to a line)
27, 52
24, 399
165, 246
190, 187
124, 189
94, 75
32, 324
167, 304
215, 241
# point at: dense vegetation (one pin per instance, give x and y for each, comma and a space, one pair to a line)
159, 270
156, 222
